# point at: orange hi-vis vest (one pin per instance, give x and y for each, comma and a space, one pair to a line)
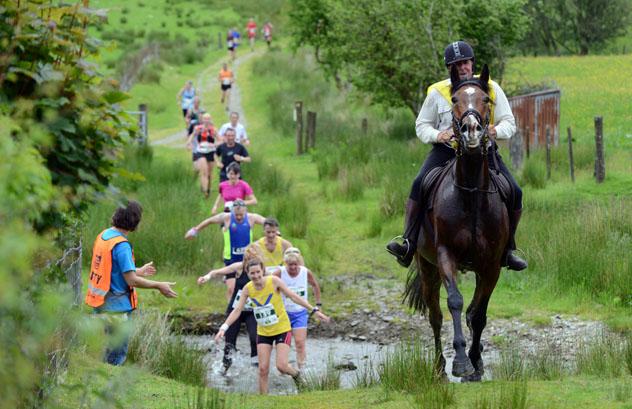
101, 272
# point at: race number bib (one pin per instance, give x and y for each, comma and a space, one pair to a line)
206, 147
300, 291
238, 251
226, 81
266, 315
247, 307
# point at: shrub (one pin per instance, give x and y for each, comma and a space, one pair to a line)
123, 20
534, 173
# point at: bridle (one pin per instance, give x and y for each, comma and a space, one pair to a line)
457, 124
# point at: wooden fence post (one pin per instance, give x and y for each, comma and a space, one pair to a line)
365, 126
600, 163
516, 149
548, 153
298, 110
311, 130
571, 162
142, 122
527, 142
219, 41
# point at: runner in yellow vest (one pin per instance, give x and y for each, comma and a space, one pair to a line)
273, 324
434, 125
272, 246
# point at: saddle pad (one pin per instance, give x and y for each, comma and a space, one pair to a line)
432, 181
502, 184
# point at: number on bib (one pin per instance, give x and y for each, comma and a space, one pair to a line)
266, 315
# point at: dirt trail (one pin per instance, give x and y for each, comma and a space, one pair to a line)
204, 82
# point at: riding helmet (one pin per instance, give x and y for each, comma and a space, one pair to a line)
458, 51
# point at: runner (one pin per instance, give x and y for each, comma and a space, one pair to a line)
114, 278
296, 276
246, 315
272, 245
273, 323
185, 97
230, 43
267, 33
238, 226
240, 131
194, 115
234, 188
251, 29
226, 79
236, 40
229, 152
203, 152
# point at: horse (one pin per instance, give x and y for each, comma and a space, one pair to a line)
465, 228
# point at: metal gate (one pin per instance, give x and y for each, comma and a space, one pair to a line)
534, 113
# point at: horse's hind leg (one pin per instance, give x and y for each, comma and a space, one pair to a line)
461, 366
431, 292
477, 320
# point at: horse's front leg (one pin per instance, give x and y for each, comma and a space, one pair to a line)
461, 366
477, 318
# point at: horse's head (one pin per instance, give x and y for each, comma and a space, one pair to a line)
470, 110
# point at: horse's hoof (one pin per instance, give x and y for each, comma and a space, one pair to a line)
462, 369
475, 377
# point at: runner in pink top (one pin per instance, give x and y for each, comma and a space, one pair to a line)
233, 189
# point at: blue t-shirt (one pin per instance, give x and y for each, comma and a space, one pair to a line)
117, 299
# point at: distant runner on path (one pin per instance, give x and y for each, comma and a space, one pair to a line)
226, 80
233, 189
240, 131
194, 115
203, 152
230, 44
229, 152
251, 29
185, 97
267, 33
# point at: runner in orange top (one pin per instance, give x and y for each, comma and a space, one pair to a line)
251, 29
226, 79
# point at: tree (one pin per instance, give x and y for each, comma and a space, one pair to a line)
393, 51
60, 136
575, 26
60, 105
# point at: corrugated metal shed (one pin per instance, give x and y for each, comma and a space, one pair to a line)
533, 113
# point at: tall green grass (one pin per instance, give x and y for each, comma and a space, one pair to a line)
607, 356
153, 346
325, 381
510, 396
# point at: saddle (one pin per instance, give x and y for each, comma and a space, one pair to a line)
433, 179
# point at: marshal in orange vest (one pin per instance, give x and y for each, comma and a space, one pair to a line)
101, 271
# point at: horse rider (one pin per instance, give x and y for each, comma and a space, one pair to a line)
434, 125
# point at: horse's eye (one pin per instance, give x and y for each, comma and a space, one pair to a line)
455, 100
486, 99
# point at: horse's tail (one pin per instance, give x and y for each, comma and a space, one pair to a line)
413, 291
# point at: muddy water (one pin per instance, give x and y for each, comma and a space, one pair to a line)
242, 377
564, 335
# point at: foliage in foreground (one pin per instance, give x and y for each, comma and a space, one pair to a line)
153, 346
60, 134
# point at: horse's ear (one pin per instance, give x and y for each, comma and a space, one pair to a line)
484, 78
454, 77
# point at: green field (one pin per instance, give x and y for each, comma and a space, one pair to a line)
343, 201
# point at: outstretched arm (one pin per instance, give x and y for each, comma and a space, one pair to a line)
214, 209
283, 288
232, 317
232, 268
250, 200
314, 284
217, 219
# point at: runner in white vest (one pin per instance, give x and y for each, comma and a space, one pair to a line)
297, 277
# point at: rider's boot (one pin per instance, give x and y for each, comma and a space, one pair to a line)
512, 261
404, 252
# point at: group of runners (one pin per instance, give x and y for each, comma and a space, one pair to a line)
267, 291
233, 37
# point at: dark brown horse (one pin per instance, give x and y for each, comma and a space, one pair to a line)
467, 228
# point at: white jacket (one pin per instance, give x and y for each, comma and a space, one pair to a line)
436, 116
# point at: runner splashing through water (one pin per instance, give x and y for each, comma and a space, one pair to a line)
273, 323
296, 276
